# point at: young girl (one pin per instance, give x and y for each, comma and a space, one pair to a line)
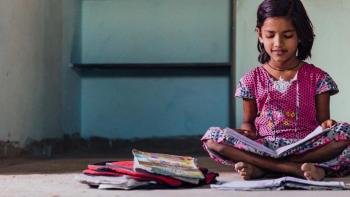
284, 99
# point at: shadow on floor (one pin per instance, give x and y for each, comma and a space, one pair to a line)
74, 155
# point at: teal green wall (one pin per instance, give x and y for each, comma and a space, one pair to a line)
127, 103
141, 31
155, 103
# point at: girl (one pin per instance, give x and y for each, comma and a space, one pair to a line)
284, 99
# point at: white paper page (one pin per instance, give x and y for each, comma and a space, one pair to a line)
274, 183
250, 142
314, 133
318, 183
246, 185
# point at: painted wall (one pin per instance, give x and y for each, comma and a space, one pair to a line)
30, 69
130, 104
40, 95
71, 82
139, 31
162, 102
39, 91
330, 51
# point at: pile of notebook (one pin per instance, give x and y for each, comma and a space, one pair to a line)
147, 170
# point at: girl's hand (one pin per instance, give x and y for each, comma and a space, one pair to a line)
328, 123
248, 133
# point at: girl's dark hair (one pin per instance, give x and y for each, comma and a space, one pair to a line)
294, 10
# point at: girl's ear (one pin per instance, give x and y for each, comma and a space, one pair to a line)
258, 34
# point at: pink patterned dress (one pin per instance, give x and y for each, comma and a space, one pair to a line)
287, 113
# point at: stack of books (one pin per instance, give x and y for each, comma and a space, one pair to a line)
147, 170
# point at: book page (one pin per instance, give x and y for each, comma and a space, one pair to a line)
249, 142
319, 130
248, 185
318, 183
279, 183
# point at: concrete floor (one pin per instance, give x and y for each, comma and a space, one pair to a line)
57, 185
56, 178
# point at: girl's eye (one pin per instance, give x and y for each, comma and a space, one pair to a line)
269, 36
288, 36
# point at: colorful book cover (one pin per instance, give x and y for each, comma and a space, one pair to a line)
181, 167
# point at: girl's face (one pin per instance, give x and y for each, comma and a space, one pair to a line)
279, 38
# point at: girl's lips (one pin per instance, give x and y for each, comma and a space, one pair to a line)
279, 52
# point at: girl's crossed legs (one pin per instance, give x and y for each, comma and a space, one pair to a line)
250, 166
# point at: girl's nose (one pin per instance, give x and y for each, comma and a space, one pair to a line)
278, 41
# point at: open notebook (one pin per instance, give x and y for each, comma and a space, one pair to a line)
282, 183
273, 153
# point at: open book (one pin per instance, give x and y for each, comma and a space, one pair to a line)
281, 184
278, 152
180, 167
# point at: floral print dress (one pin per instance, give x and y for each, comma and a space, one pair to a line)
287, 113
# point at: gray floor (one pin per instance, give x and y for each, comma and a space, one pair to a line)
57, 185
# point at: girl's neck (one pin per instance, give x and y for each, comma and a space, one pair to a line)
291, 64
286, 70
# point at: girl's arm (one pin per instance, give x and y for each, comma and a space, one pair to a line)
322, 110
249, 115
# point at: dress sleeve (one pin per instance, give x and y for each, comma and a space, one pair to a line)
326, 84
245, 87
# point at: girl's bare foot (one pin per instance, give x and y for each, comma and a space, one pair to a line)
311, 172
248, 171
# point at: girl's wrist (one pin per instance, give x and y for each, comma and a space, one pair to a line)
248, 127
250, 130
